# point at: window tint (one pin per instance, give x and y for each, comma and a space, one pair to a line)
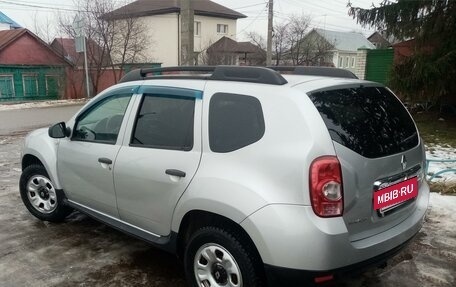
165, 122
235, 121
370, 120
102, 122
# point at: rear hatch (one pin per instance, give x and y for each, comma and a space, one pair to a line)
377, 144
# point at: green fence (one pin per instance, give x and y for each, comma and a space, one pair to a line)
20, 83
378, 65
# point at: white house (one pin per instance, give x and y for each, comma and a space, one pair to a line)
6, 23
345, 46
163, 21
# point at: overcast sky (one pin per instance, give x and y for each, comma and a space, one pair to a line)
329, 14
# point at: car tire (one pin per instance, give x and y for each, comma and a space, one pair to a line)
211, 251
40, 196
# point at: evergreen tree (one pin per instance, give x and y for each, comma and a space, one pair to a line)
430, 73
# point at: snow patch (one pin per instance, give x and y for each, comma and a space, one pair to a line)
40, 104
439, 152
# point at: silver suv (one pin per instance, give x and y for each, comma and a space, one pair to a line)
251, 176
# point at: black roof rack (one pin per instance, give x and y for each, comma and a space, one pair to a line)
261, 75
315, 71
249, 74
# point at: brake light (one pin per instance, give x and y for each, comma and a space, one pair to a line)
325, 182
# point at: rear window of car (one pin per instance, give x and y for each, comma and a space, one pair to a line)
368, 120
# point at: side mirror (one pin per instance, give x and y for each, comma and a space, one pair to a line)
59, 130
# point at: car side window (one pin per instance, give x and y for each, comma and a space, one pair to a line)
165, 122
235, 121
101, 123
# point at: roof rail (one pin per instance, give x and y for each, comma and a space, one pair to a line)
261, 75
315, 71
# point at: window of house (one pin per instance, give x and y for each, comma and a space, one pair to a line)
52, 86
6, 86
165, 122
235, 121
341, 59
347, 59
101, 123
30, 85
222, 29
197, 29
353, 62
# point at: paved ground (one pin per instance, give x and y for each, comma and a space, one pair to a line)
83, 252
14, 121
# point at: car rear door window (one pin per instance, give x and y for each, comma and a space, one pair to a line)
165, 122
368, 120
235, 121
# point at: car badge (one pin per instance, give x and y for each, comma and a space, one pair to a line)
404, 162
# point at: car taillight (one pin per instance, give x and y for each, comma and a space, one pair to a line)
325, 182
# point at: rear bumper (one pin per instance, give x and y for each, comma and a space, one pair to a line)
292, 237
280, 276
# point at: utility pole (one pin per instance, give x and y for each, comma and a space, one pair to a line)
270, 25
81, 46
187, 53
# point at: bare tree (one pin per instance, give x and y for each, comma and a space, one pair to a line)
44, 28
294, 43
113, 40
279, 41
260, 42
298, 27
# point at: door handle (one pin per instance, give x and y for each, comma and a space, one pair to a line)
175, 172
104, 160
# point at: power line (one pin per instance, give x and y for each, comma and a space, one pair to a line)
304, 4
252, 5
39, 6
253, 21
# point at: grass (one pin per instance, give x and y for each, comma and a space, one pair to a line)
436, 130
448, 188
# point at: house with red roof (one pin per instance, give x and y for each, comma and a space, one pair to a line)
29, 67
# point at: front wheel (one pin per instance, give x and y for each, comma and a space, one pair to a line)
39, 195
215, 257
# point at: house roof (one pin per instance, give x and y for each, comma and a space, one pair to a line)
228, 45
8, 20
156, 7
9, 36
66, 47
345, 41
406, 43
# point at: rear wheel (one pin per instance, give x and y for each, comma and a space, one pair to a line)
216, 257
40, 196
